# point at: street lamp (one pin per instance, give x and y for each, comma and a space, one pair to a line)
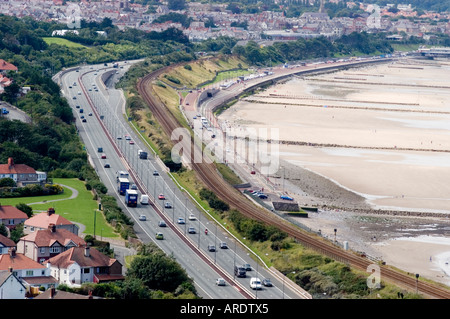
417, 283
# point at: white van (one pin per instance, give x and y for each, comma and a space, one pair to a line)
144, 199
255, 283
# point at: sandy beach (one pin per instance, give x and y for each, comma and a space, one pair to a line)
363, 145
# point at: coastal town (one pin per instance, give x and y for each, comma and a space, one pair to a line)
212, 20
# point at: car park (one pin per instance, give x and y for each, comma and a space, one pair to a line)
159, 236
220, 282
181, 221
211, 248
167, 205
191, 230
143, 218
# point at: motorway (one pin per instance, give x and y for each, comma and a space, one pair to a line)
105, 126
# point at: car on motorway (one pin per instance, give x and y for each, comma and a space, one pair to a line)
167, 205
162, 223
161, 196
191, 230
211, 248
127, 137
143, 218
223, 245
107, 165
286, 197
220, 282
133, 186
103, 156
240, 272
192, 217
84, 120
74, 98
155, 173
131, 142
90, 114
119, 137
159, 235
247, 267
266, 282
181, 221
255, 283
77, 106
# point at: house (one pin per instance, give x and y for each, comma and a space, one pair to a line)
44, 220
10, 286
26, 270
6, 244
21, 174
11, 216
6, 66
84, 264
53, 293
46, 243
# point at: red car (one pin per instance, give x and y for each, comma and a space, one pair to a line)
131, 142
103, 155
161, 196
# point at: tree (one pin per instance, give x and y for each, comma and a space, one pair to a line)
176, 4
7, 182
25, 208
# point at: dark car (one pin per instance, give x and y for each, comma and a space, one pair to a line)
223, 245
211, 248
107, 165
266, 282
240, 272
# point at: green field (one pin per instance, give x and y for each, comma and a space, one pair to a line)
60, 41
79, 209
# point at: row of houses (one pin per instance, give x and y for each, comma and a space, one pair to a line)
22, 174
50, 253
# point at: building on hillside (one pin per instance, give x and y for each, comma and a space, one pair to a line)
44, 220
6, 66
11, 216
21, 174
84, 264
6, 244
47, 243
10, 286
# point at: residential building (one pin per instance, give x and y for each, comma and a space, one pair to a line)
6, 66
46, 243
10, 286
84, 264
53, 293
42, 221
11, 216
21, 174
6, 244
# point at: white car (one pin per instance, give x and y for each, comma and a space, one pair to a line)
192, 217
220, 282
255, 283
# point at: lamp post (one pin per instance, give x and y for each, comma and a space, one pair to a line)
417, 283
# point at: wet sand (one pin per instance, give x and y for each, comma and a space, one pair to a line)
363, 141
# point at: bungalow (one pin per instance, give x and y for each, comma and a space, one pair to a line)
6, 66
46, 243
11, 216
21, 174
44, 220
84, 264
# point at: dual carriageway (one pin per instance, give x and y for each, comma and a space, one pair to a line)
105, 126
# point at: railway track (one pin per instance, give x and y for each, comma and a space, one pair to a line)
212, 179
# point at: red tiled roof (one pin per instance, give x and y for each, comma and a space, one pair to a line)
19, 261
16, 169
77, 254
7, 66
47, 237
6, 242
10, 212
42, 220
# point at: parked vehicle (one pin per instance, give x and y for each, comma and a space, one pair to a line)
286, 197
131, 197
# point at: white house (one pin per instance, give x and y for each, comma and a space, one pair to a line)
10, 286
